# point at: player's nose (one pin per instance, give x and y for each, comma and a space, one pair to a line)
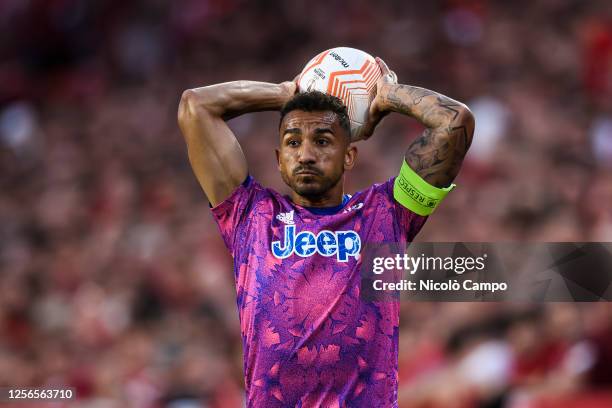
307, 153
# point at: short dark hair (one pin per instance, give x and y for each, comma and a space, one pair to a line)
315, 101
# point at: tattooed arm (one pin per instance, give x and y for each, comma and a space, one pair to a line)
438, 153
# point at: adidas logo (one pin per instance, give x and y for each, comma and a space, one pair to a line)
286, 217
354, 208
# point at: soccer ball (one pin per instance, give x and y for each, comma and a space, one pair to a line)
348, 74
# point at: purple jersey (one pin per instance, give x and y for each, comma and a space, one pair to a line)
309, 340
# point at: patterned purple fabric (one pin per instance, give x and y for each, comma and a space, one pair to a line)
308, 338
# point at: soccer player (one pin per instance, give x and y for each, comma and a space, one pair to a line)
308, 338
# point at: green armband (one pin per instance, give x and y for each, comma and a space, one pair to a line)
414, 193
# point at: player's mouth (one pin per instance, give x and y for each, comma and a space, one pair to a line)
307, 172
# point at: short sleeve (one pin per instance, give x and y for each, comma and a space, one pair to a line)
408, 223
231, 213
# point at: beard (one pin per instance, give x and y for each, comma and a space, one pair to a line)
310, 186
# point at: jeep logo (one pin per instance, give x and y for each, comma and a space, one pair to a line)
326, 243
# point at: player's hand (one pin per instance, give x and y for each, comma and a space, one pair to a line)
289, 88
377, 111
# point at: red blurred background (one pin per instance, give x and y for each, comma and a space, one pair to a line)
113, 279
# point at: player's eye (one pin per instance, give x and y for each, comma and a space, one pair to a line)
322, 142
293, 143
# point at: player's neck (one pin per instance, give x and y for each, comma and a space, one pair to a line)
331, 198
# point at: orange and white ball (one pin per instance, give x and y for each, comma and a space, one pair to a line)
347, 73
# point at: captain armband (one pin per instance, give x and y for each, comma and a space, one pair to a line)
414, 193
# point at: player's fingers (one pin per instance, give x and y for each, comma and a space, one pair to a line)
393, 77
383, 66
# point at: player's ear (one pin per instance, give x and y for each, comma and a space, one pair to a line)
350, 156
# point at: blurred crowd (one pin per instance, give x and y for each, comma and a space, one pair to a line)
113, 279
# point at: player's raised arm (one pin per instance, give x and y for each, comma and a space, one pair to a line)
438, 153
214, 153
